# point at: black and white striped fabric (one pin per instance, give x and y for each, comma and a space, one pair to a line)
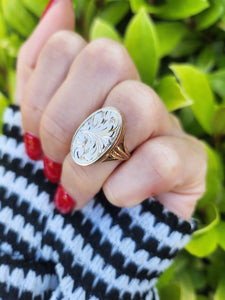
100, 252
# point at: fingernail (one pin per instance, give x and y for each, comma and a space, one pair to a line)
52, 169
32, 146
50, 4
63, 202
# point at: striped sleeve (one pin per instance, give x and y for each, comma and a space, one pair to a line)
100, 252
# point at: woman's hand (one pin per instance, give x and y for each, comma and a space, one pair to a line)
61, 79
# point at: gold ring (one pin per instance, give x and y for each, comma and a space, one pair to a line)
100, 138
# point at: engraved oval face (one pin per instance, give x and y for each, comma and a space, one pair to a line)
96, 135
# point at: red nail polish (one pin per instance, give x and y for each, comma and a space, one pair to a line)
63, 202
52, 169
32, 146
50, 4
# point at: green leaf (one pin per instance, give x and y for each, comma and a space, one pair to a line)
215, 268
219, 54
216, 80
80, 6
206, 59
186, 287
170, 292
197, 88
171, 93
3, 29
37, 7
210, 15
169, 35
100, 28
176, 9
218, 122
181, 289
189, 122
221, 234
198, 276
200, 297
137, 5
166, 277
114, 11
187, 46
11, 84
18, 17
199, 245
172, 9
221, 24
3, 104
140, 41
11, 45
89, 14
220, 291
215, 219
214, 178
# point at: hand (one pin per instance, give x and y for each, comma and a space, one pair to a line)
61, 79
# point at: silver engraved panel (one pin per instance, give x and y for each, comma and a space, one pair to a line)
96, 135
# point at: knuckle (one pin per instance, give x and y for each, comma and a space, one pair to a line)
58, 46
145, 94
52, 136
30, 103
142, 89
107, 55
164, 160
30, 109
111, 195
25, 62
135, 108
153, 110
144, 98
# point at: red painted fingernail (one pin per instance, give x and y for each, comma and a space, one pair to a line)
63, 202
50, 4
32, 146
52, 169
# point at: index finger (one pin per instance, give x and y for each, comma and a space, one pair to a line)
58, 16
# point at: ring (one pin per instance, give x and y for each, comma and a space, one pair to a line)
100, 138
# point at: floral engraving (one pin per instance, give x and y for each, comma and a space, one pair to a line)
96, 135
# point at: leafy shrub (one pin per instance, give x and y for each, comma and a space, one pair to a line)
178, 48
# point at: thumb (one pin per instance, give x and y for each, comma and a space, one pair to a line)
58, 15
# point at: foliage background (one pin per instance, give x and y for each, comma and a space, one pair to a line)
178, 48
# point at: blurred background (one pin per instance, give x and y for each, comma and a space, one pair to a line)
178, 48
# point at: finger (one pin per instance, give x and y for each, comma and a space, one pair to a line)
60, 16
145, 116
50, 72
96, 70
160, 167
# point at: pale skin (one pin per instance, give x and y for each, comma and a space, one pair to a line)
61, 79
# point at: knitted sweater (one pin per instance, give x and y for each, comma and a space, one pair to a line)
99, 252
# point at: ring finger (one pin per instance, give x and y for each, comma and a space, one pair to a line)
98, 68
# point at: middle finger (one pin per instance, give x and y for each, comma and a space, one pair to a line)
96, 70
